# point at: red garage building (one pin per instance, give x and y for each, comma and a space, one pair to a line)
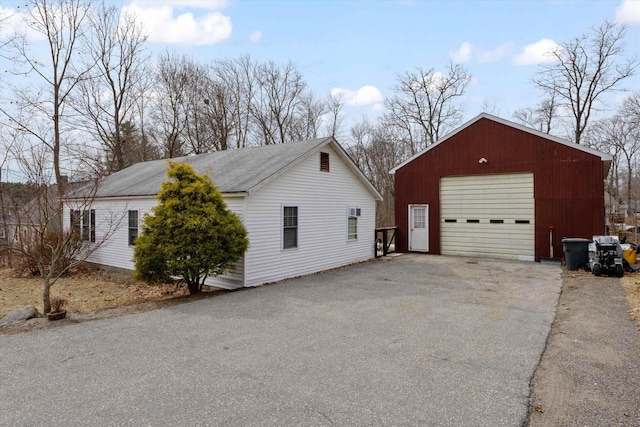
494, 188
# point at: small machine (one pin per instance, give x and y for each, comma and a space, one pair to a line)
629, 255
605, 256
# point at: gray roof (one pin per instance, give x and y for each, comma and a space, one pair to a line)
233, 171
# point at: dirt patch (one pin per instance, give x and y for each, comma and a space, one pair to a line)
631, 285
91, 293
589, 373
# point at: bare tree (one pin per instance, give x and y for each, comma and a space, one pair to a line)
42, 113
424, 105
199, 125
490, 107
375, 153
333, 124
307, 120
211, 108
542, 117
63, 24
169, 103
38, 233
631, 109
219, 113
147, 149
594, 137
236, 80
584, 69
280, 92
7, 40
624, 136
108, 99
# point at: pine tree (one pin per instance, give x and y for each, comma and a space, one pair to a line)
190, 233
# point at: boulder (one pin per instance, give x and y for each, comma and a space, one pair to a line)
20, 315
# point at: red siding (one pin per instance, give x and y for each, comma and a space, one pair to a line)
568, 183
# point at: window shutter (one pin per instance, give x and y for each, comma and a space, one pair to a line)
92, 226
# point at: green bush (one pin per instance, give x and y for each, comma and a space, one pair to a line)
190, 233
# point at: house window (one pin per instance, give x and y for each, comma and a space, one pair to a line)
352, 227
133, 227
324, 162
352, 223
290, 227
83, 223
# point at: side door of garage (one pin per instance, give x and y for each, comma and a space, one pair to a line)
419, 228
488, 215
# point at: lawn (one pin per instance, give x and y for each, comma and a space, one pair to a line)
86, 290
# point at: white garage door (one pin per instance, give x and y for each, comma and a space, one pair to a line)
488, 215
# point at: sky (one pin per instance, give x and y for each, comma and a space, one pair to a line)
359, 47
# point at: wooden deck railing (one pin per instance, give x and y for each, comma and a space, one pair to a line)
386, 241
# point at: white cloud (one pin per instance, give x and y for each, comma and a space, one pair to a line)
467, 52
538, 52
462, 55
162, 26
366, 95
12, 21
256, 36
493, 55
628, 12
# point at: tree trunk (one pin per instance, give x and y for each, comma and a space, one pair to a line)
194, 286
46, 302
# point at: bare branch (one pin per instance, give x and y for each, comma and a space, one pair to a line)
584, 69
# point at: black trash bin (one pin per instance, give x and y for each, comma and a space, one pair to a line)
576, 252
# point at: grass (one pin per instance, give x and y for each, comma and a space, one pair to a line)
87, 290
631, 285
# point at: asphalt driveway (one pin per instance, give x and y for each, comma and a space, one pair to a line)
416, 340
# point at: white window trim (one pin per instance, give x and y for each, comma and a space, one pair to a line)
91, 228
350, 210
289, 205
129, 226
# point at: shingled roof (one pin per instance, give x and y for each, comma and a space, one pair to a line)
233, 171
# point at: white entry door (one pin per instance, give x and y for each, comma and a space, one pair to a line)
419, 228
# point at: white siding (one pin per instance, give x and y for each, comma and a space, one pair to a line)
322, 199
493, 214
116, 251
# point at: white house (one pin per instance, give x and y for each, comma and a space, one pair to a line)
306, 206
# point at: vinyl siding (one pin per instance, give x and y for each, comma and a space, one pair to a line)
322, 199
116, 252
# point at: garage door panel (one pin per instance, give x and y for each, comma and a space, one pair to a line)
503, 199
489, 189
488, 242
488, 213
487, 253
470, 233
461, 239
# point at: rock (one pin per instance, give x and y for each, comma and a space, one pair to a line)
20, 315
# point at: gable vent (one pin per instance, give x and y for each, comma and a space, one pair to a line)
324, 162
